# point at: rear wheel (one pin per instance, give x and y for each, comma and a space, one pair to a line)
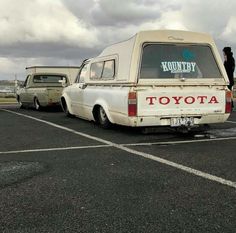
103, 119
36, 104
19, 101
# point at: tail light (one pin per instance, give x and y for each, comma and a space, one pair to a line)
132, 104
228, 102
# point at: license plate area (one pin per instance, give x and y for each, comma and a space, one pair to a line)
181, 121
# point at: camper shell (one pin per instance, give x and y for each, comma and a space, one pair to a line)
71, 72
156, 78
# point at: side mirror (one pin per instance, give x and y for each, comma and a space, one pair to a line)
82, 85
20, 85
63, 82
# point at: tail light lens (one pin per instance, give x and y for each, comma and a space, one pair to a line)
132, 104
228, 102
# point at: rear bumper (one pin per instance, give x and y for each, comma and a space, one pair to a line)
50, 104
166, 121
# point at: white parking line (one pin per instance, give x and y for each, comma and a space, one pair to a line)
52, 149
234, 122
179, 142
142, 154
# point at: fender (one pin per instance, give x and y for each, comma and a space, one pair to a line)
68, 102
103, 103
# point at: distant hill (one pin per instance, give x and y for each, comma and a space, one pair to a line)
9, 82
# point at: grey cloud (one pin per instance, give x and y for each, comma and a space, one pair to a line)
65, 32
37, 50
211, 17
113, 12
22, 55
122, 12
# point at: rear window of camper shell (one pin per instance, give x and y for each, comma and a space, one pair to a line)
178, 61
49, 78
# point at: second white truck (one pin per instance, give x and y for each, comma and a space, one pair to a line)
43, 85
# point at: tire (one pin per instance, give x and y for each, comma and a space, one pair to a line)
103, 119
37, 104
19, 101
65, 108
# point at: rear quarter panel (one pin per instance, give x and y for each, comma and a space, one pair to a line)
112, 98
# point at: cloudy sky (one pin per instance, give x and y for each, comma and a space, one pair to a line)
65, 32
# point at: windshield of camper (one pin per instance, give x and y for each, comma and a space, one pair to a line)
178, 61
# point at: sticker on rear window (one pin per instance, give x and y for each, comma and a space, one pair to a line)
178, 66
188, 55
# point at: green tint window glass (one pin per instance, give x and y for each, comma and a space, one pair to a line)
178, 61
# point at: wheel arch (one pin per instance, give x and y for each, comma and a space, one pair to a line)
17, 97
36, 99
105, 107
65, 100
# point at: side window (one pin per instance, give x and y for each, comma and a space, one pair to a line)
82, 74
27, 80
109, 70
96, 70
103, 70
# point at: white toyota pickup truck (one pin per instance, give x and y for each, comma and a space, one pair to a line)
156, 78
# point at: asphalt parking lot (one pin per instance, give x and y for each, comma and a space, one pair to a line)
62, 174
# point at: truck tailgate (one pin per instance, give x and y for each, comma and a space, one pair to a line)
180, 102
54, 94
